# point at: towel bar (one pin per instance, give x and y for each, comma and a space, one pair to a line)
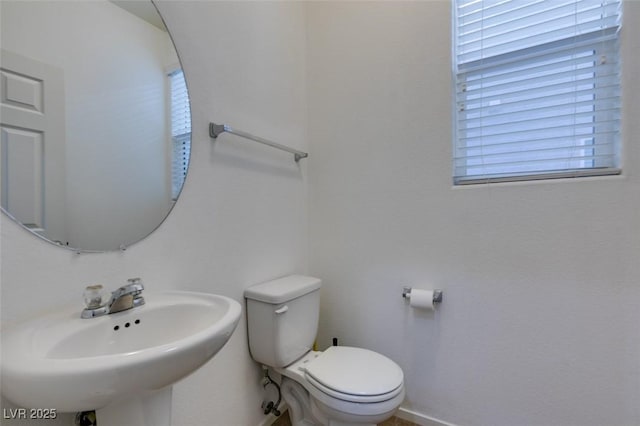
216, 129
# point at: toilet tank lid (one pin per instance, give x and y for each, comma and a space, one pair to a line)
283, 289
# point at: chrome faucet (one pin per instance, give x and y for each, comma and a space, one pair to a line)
126, 297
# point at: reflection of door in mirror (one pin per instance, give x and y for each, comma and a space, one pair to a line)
32, 109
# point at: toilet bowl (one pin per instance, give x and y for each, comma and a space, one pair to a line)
344, 385
340, 386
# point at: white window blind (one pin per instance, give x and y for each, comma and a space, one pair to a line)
537, 89
180, 131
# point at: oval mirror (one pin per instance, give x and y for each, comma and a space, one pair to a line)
95, 121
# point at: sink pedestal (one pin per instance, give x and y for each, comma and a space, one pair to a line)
149, 409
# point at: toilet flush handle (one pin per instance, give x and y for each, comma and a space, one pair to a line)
282, 310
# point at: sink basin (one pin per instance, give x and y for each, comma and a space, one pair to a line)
60, 361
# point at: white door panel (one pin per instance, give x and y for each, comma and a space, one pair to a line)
22, 92
22, 153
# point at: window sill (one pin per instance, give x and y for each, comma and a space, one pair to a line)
477, 180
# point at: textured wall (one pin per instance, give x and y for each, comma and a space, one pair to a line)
241, 218
539, 324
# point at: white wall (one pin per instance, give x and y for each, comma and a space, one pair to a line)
539, 324
241, 218
114, 81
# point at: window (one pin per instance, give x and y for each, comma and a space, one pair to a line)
180, 131
537, 86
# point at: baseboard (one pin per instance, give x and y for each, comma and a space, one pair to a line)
420, 419
403, 413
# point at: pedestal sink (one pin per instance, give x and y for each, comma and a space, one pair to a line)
121, 365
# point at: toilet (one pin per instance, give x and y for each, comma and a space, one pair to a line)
340, 386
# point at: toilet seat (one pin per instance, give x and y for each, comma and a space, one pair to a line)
355, 375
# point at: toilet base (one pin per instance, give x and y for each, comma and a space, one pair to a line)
299, 402
305, 410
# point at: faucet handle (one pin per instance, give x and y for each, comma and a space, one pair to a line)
133, 288
134, 283
94, 296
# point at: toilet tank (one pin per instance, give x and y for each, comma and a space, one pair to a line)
282, 319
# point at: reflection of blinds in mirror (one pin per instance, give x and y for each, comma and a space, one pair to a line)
180, 131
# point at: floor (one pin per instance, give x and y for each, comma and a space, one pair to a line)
393, 421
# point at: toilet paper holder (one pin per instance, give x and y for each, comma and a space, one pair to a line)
437, 294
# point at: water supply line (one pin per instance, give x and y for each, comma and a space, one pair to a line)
270, 406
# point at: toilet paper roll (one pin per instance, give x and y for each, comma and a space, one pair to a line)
421, 299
